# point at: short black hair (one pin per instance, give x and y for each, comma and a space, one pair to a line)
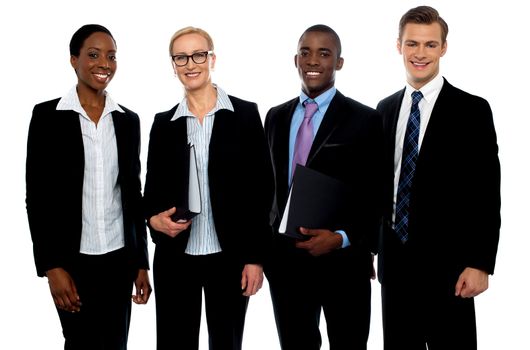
322, 28
82, 34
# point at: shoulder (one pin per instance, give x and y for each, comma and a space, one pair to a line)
281, 109
128, 112
240, 104
166, 116
46, 106
391, 100
457, 94
350, 103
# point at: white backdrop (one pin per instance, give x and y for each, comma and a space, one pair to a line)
255, 43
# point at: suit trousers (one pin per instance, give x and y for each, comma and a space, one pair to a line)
419, 306
104, 284
337, 283
179, 281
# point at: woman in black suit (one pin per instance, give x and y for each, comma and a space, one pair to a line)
83, 196
219, 251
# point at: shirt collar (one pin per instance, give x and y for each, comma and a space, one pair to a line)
322, 99
223, 102
70, 102
429, 90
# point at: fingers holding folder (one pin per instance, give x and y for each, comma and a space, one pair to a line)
163, 222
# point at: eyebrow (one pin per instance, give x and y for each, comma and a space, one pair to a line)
427, 42
322, 49
186, 54
98, 49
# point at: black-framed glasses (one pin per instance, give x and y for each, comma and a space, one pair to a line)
197, 57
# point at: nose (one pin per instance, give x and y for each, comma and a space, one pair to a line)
313, 59
420, 51
104, 62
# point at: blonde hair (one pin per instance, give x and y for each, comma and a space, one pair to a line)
191, 30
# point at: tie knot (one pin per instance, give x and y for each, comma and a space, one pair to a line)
310, 108
416, 97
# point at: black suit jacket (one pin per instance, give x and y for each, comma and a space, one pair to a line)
240, 179
347, 146
54, 184
454, 216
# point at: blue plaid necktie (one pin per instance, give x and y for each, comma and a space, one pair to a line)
408, 167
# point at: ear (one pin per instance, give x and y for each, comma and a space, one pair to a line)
444, 49
296, 61
73, 62
339, 64
212, 61
398, 46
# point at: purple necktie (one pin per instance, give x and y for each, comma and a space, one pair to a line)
304, 137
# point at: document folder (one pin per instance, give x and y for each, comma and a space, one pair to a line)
190, 206
316, 201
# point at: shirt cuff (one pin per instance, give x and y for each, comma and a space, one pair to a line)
345, 240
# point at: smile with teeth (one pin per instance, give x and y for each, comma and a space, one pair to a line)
102, 75
419, 65
312, 74
192, 74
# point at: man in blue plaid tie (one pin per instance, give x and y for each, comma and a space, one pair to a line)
442, 212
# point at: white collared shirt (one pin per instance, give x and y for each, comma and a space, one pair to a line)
203, 237
102, 226
430, 92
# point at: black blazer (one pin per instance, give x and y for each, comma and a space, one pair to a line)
454, 216
240, 179
347, 146
54, 184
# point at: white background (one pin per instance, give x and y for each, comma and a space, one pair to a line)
488, 55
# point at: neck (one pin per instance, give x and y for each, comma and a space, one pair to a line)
201, 101
90, 97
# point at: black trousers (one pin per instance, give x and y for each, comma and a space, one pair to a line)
418, 302
104, 283
301, 286
179, 281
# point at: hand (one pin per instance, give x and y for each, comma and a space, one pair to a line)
162, 222
63, 290
320, 241
143, 287
471, 283
252, 279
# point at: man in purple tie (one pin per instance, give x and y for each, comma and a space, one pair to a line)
442, 198
330, 270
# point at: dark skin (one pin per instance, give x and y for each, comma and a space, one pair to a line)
95, 66
317, 61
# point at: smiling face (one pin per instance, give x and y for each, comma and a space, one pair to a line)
421, 47
96, 64
317, 60
194, 76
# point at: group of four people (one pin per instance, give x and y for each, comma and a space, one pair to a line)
432, 216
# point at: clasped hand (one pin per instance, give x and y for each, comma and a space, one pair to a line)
162, 222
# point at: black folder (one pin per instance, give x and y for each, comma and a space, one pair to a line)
190, 205
315, 201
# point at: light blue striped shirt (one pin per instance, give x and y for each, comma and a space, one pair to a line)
203, 238
102, 230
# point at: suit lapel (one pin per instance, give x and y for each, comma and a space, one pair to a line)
437, 123
280, 151
394, 116
329, 123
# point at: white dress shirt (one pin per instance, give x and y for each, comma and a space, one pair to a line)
430, 92
102, 226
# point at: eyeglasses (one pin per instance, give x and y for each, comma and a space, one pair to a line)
197, 57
